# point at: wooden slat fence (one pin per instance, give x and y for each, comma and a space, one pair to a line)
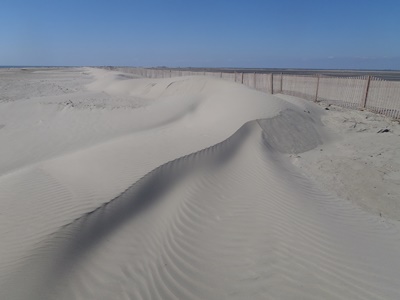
228, 76
277, 83
249, 79
384, 97
300, 86
346, 92
263, 82
212, 74
363, 92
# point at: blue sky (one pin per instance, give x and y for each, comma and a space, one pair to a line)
253, 33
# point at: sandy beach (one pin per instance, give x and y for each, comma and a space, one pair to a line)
119, 187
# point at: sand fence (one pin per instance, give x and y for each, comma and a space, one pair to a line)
362, 92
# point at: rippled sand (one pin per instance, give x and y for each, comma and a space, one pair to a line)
113, 187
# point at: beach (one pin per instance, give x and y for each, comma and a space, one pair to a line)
114, 186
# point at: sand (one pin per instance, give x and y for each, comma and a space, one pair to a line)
116, 187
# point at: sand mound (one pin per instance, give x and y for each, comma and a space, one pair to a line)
141, 212
291, 132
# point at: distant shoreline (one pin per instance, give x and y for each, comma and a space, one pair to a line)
392, 75
35, 67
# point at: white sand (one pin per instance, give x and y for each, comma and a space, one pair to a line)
106, 193
361, 164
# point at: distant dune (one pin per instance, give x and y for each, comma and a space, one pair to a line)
118, 187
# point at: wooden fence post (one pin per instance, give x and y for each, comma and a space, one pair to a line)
272, 83
255, 79
364, 100
316, 92
242, 77
281, 82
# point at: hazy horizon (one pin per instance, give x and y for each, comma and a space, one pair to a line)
198, 68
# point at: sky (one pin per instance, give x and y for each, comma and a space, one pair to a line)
335, 34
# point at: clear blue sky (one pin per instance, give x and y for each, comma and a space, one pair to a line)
210, 33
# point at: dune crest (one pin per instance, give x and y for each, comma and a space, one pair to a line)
194, 199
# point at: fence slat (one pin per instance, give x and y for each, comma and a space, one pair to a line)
364, 102
316, 92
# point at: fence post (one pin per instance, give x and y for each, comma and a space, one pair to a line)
316, 92
242, 77
281, 82
255, 79
364, 100
220, 75
272, 83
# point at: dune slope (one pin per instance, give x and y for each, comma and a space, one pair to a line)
195, 201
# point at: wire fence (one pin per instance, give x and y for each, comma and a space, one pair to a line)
362, 92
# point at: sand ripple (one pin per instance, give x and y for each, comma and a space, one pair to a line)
233, 221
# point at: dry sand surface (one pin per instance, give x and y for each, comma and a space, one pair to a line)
115, 187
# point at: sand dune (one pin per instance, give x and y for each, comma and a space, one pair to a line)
177, 188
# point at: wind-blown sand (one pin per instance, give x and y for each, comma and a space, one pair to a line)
113, 187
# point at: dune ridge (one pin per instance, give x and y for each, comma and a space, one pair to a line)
234, 220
